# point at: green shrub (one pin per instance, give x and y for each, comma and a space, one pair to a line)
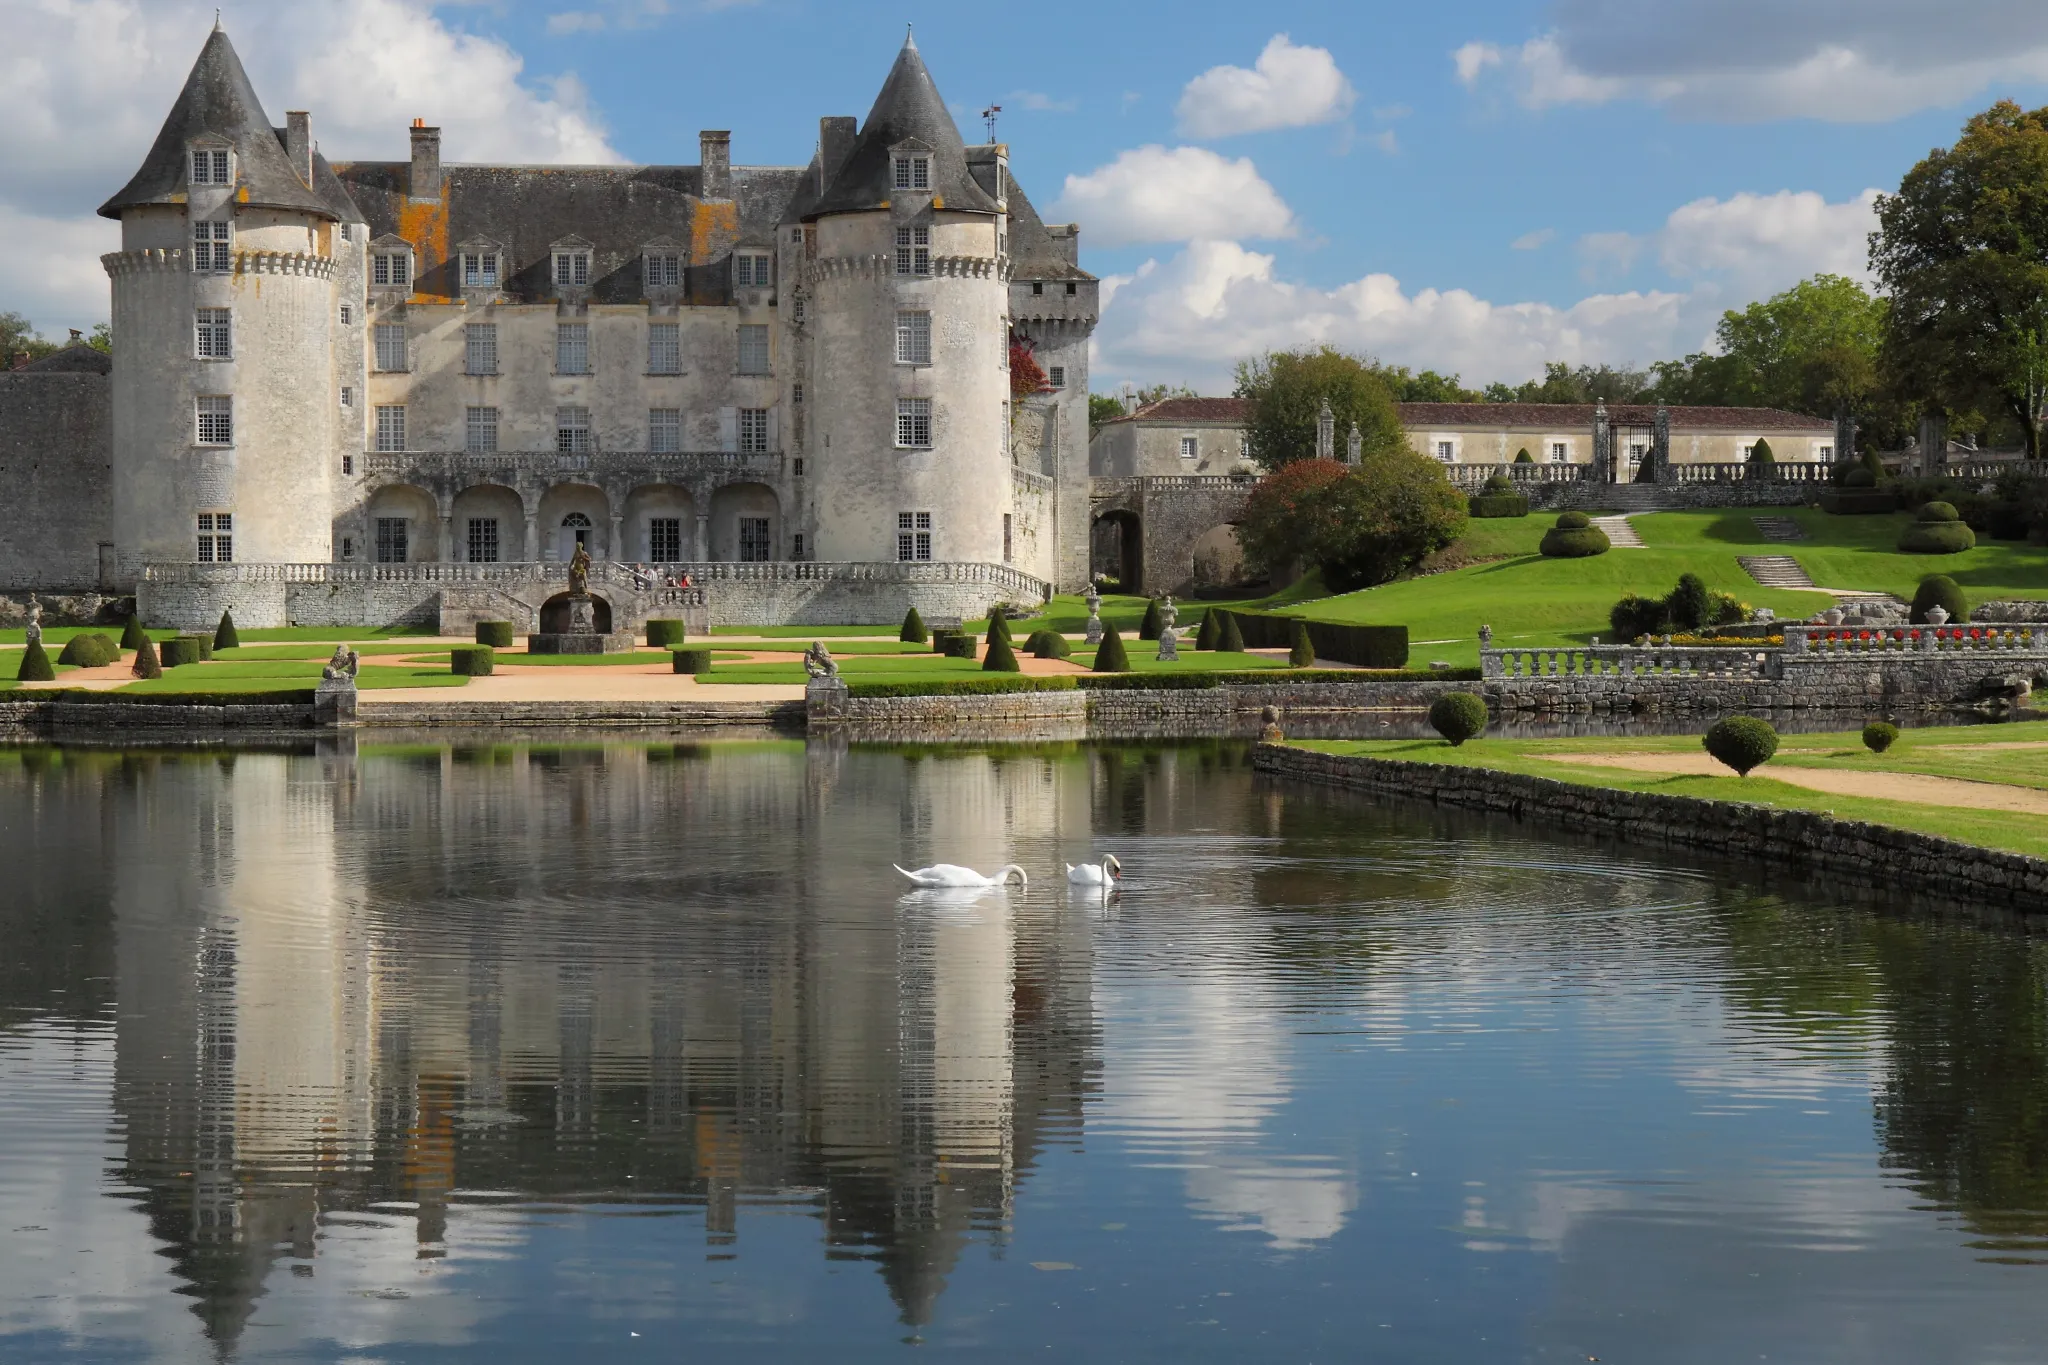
1761, 461
1301, 653
1458, 716
1880, 735
1634, 616
691, 661
224, 636
1150, 682
1364, 646
283, 696
1741, 742
35, 664
1936, 537
472, 661
1049, 644
913, 632
662, 634
1210, 631
1574, 537
939, 638
960, 646
1154, 622
1001, 657
497, 634
1498, 505
963, 687
1229, 636
132, 634
1939, 590
1112, 657
88, 651
1523, 456
1726, 610
1937, 511
998, 627
146, 664
1859, 502
1499, 483
176, 653
1689, 605
1856, 476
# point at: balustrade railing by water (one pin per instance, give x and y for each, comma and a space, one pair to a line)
1612, 661
1862, 643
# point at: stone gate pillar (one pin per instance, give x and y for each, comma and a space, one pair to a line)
1660, 447
1602, 468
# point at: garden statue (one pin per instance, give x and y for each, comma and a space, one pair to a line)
342, 667
1271, 733
1169, 614
34, 633
818, 661
1486, 637
1094, 615
579, 572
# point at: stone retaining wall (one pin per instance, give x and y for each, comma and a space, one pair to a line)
1120, 712
42, 717
788, 715
1849, 850
1810, 682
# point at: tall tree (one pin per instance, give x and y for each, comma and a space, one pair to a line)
1563, 384
18, 334
1962, 249
1287, 389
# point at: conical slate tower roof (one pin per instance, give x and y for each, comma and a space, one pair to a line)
218, 100
908, 107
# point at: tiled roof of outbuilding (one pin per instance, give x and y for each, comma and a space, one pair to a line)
218, 100
1231, 410
1572, 416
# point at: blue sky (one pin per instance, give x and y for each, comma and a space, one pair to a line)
1475, 187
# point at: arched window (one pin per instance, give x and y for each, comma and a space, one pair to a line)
575, 531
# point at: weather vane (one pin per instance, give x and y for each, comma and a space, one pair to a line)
988, 116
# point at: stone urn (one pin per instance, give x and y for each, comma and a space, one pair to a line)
1832, 616
1937, 616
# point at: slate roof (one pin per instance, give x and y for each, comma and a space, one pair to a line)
1034, 255
1551, 416
219, 100
908, 107
77, 358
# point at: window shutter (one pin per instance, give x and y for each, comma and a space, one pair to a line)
728, 428
775, 428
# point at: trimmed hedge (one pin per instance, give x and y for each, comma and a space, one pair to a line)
132, 634
958, 646
939, 638
1937, 537
472, 661
1762, 460
986, 685
1574, 537
224, 636
1573, 521
1049, 644
1859, 502
692, 661
913, 632
496, 634
175, 653
1301, 651
1148, 682
1741, 742
662, 634
1111, 656
1523, 456
1458, 716
88, 651
1498, 505
1365, 646
35, 664
1939, 590
1264, 677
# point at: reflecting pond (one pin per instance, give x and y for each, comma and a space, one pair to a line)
542, 1052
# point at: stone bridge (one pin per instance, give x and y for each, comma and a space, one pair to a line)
1167, 533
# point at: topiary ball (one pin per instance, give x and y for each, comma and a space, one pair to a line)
1500, 483
1859, 477
1582, 541
86, 651
1938, 511
1937, 537
1458, 716
1939, 590
1573, 521
1048, 644
1880, 735
1741, 742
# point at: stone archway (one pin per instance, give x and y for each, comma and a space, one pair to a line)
571, 513
554, 614
746, 524
400, 526
488, 522
1216, 559
660, 525
1116, 542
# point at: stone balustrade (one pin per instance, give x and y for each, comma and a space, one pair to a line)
1474, 476
420, 464
1741, 471
1864, 642
1627, 661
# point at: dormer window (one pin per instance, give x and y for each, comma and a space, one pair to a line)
751, 270
391, 269
664, 270
913, 172
572, 268
479, 270
212, 166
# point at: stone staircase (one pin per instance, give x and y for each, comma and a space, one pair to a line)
1777, 571
1619, 533
1631, 497
1779, 528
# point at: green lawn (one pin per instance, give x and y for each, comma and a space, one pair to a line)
1933, 751
213, 678
1530, 600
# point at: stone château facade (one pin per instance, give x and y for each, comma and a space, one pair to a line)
337, 382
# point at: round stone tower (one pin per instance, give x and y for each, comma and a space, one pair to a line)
909, 349
224, 313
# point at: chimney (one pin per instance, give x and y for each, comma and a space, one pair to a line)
77, 337
298, 143
714, 150
835, 140
426, 161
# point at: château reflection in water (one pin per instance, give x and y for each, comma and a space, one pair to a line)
360, 1007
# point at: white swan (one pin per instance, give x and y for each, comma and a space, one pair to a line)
946, 874
1106, 873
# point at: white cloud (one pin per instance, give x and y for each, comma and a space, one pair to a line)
1752, 60
1533, 241
1196, 313
1179, 194
1040, 103
91, 80
574, 21
1289, 87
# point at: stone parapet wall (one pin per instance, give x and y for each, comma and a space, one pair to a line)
1850, 850
553, 714
1120, 712
43, 717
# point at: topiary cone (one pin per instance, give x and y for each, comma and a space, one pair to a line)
913, 631
1000, 657
1229, 640
1302, 653
146, 665
1112, 657
224, 636
132, 634
36, 665
998, 627
1209, 631
1154, 622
